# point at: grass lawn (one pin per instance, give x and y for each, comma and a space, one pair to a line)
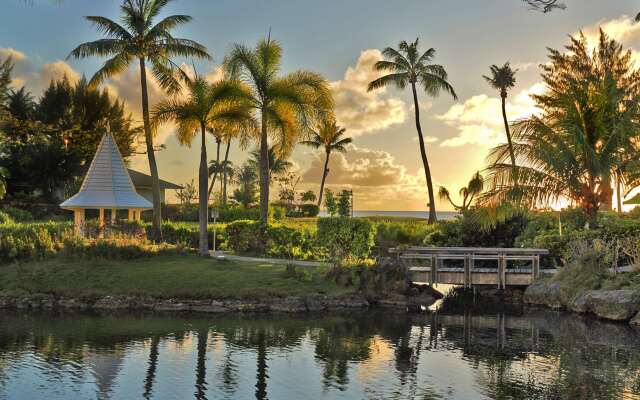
187, 276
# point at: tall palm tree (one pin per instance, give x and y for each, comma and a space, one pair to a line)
502, 79
287, 105
138, 39
408, 66
468, 193
207, 107
277, 163
329, 137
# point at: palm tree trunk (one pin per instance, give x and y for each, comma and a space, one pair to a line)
264, 172
324, 176
225, 176
425, 162
618, 194
512, 155
202, 195
153, 166
215, 174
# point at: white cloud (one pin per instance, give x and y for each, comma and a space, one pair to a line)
623, 29
479, 119
360, 111
36, 79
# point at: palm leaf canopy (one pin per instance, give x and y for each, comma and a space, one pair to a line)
407, 65
290, 104
329, 136
502, 78
137, 37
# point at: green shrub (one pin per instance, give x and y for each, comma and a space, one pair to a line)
33, 241
17, 214
5, 218
346, 238
277, 213
309, 210
394, 234
250, 237
189, 213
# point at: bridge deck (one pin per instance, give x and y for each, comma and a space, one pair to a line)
504, 274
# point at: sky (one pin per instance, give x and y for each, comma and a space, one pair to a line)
342, 40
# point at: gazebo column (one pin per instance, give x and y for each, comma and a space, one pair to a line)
114, 213
78, 219
101, 222
130, 216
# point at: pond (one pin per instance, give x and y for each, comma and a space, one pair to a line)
368, 355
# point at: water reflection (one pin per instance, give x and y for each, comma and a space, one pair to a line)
537, 355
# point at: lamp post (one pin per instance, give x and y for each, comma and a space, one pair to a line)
214, 215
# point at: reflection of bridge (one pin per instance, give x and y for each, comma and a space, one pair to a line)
505, 265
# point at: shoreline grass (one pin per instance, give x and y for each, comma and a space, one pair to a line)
175, 276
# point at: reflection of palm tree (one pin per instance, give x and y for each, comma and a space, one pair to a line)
407, 66
151, 369
261, 367
201, 367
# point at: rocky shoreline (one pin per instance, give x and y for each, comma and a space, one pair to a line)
614, 305
292, 304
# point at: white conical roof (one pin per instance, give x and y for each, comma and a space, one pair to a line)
107, 183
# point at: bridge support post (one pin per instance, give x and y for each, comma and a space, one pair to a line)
501, 274
467, 273
535, 269
432, 277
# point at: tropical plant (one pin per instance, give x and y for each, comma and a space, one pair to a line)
20, 104
287, 105
502, 79
188, 193
468, 193
329, 138
207, 107
345, 203
308, 197
278, 164
330, 202
145, 42
587, 128
245, 177
407, 65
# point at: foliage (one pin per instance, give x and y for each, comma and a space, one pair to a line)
188, 193
309, 210
308, 197
584, 139
390, 234
5, 218
17, 214
468, 193
344, 203
189, 213
245, 177
330, 202
346, 238
250, 237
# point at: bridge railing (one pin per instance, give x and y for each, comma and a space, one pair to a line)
470, 273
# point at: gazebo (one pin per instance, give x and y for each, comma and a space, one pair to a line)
107, 186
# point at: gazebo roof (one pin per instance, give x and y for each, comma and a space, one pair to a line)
107, 183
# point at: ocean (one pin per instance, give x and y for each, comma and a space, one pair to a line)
442, 215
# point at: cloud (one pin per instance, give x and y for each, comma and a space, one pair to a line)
376, 177
623, 29
360, 111
479, 119
36, 79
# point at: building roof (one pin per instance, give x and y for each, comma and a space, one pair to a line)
141, 180
107, 183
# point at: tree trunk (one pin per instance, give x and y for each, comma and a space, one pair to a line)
215, 174
153, 167
425, 162
225, 175
324, 176
512, 155
203, 209
618, 194
264, 172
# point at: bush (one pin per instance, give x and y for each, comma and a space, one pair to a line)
34, 241
346, 238
309, 210
394, 234
250, 237
17, 214
189, 213
5, 218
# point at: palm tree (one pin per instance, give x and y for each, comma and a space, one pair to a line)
207, 107
330, 138
408, 66
287, 105
584, 136
469, 193
278, 164
222, 168
502, 79
245, 177
145, 42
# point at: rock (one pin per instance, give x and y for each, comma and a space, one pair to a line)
579, 304
618, 305
210, 307
114, 303
171, 305
289, 305
635, 321
393, 300
544, 292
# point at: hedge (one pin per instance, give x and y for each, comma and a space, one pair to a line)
346, 238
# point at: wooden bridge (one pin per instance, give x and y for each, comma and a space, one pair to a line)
470, 266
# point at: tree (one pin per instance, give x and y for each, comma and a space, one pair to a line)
207, 107
145, 42
245, 177
469, 193
587, 129
408, 66
287, 105
187, 194
308, 197
502, 79
329, 137
344, 203
278, 164
330, 202
20, 104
